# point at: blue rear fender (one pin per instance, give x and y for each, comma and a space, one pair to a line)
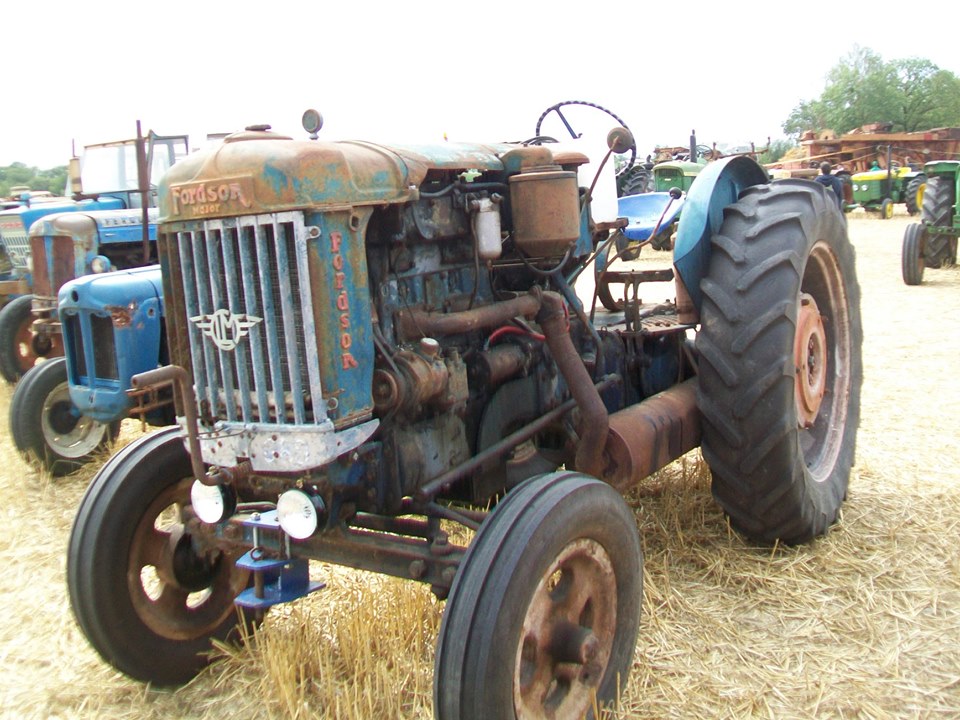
718, 185
112, 330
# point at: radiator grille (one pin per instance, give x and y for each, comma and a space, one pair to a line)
94, 334
14, 236
61, 264
245, 312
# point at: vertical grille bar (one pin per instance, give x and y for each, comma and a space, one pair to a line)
189, 248
270, 320
218, 283
309, 325
247, 243
230, 239
289, 321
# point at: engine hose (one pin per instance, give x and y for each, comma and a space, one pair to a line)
594, 419
415, 324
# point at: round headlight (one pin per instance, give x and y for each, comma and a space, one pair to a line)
299, 514
212, 503
100, 264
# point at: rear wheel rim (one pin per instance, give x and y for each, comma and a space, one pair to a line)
823, 282
810, 361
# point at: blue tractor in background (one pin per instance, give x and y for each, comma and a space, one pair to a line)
107, 224
67, 409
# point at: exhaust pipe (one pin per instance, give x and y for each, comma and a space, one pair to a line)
593, 413
650, 435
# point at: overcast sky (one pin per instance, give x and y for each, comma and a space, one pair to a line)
414, 71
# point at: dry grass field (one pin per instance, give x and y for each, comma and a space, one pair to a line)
864, 623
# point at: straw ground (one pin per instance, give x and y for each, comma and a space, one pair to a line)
864, 623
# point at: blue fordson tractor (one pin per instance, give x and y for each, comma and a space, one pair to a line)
107, 224
371, 344
67, 409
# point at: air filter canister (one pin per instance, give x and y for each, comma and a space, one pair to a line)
546, 211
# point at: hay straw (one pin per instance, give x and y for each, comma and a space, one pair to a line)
864, 622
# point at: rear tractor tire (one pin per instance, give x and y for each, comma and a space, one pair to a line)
147, 599
19, 347
47, 427
913, 195
543, 614
780, 361
938, 202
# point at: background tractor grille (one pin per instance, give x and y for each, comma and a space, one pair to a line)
251, 275
94, 333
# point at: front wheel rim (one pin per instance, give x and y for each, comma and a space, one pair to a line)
67, 434
171, 605
567, 636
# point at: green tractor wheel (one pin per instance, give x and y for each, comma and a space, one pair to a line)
886, 209
938, 201
913, 195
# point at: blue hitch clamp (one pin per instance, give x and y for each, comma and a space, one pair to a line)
276, 580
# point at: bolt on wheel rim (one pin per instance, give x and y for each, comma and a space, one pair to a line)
822, 440
567, 635
810, 361
171, 604
67, 433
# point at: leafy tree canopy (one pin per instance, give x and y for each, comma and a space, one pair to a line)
912, 93
53, 180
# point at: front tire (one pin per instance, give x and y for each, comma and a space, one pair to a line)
886, 209
544, 612
146, 600
780, 363
911, 256
46, 426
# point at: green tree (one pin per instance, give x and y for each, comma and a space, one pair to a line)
912, 94
54, 180
776, 150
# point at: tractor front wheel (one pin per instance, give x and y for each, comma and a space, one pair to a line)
911, 256
46, 426
149, 597
886, 209
543, 614
780, 362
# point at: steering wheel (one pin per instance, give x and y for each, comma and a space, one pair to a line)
573, 134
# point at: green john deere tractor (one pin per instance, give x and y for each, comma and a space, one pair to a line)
932, 242
879, 190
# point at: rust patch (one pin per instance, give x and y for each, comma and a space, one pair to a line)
121, 315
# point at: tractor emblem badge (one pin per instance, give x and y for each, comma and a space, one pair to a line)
224, 328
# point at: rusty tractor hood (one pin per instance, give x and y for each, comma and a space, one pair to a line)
256, 172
